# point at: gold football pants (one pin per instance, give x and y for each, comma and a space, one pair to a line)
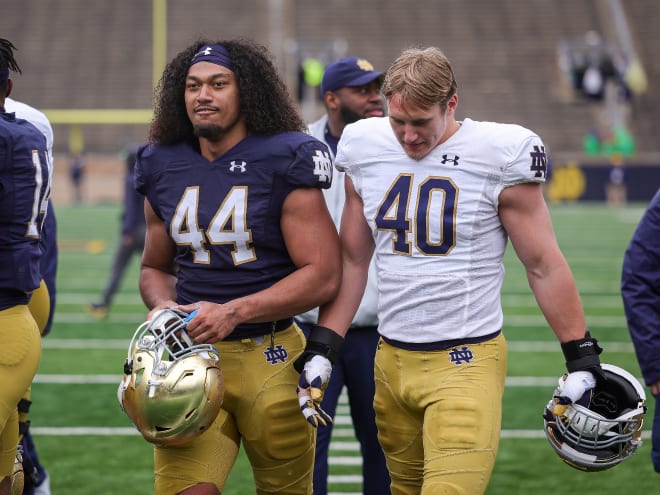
261, 409
439, 416
20, 352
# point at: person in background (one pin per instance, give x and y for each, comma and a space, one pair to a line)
350, 90
238, 231
25, 180
77, 176
131, 241
640, 291
437, 200
42, 304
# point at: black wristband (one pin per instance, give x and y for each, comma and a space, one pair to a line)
582, 355
321, 342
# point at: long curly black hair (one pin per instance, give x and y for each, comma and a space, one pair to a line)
7, 60
265, 102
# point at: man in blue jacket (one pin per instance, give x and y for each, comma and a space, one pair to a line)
640, 289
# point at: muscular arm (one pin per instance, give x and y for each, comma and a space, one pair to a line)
357, 248
157, 279
313, 245
525, 217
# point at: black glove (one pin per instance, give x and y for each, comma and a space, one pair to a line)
582, 355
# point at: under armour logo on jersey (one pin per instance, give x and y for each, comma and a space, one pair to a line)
276, 354
447, 158
464, 355
234, 165
539, 161
322, 166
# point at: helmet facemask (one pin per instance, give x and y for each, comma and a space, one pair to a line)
602, 428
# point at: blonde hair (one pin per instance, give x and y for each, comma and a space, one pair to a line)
422, 76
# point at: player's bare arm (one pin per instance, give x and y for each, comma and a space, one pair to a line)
313, 244
157, 280
525, 217
357, 248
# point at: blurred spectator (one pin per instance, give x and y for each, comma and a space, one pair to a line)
593, 62
615, 190
131, 241
597, 71
77, 175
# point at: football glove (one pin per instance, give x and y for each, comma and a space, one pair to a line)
583, 365
313, 380
572, 386
315, 367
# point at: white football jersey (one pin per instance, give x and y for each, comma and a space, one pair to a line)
439, 242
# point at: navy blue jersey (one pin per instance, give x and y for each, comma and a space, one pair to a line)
640, 290
24, 192
224, 215
132, 219
49, 250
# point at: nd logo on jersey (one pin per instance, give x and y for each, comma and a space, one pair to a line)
322, 166
539, 161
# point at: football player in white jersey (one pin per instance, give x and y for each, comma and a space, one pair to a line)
435, 201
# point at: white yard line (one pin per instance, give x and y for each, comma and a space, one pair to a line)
119, 431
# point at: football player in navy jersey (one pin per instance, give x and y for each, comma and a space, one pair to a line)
437, 200
238, 230
25, 185
41, 305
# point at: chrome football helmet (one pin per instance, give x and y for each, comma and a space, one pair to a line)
18, 474
172, 388
603, 427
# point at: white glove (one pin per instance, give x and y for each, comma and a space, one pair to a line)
572, 386
313, 381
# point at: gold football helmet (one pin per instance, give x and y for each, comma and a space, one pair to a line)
172, 388
18, 475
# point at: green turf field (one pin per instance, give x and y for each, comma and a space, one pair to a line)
90, 447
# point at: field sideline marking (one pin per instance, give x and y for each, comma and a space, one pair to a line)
130, 431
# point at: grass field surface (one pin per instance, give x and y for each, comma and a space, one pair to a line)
90, 447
